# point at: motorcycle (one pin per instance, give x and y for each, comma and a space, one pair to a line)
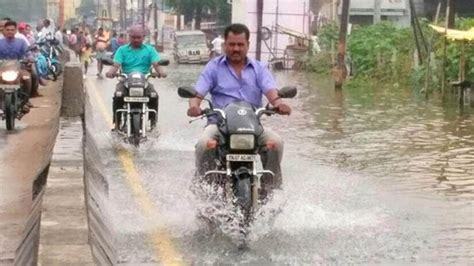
237, 153
51, 49
13, 95
135, 112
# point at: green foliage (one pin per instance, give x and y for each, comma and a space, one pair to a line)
20, 10
381, 51
87, 7
328, 34
454, 51
188, 8
319, 63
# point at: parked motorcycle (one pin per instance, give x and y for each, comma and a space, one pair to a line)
51, 49
12, 92
134, 115
237, 152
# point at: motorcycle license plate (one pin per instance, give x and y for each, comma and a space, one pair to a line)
242, 157
136, 99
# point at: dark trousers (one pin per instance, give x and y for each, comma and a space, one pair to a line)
118, 103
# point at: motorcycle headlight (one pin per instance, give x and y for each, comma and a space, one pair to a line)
136, 92
10, 75
242, 142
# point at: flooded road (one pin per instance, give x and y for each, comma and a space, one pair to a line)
369, 177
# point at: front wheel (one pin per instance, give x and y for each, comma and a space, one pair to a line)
10, 111
136, 126
56, 70
243, 193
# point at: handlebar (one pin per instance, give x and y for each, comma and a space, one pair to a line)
266, 111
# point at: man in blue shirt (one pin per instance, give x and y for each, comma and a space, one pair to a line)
12, 48
236, 77
136, 56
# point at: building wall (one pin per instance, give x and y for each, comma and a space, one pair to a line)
52, 9
70, 9
397, 11
291, 14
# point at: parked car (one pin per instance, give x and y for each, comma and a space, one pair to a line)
190, 47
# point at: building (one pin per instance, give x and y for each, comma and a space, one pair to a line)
52, 9
364, 11
71, 9
282, 20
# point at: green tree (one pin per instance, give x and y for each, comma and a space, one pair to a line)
195, 9
87, 7
21, 9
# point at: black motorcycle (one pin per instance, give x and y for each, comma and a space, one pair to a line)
132, 119
13, 94
237, 151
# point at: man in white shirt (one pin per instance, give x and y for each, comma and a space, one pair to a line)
47, 28
217, 46
59, 36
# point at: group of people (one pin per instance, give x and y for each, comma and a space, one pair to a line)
18, 42
86, 47
229, 77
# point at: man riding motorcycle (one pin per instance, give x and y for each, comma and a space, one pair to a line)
136, 56
12, 48
236, 77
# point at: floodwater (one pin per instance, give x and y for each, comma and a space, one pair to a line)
370, 176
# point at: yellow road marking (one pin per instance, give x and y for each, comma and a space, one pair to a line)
160, 238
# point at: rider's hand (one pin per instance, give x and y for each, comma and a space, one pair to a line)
283, 109
109, 75
194, 111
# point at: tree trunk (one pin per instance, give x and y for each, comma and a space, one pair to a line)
198, 15
341, 71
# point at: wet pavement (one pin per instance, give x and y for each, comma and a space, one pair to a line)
370, 177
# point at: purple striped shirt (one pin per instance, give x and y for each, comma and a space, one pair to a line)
220, 80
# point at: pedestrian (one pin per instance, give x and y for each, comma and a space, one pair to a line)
217, 46
101, 43
86, 57
114, 43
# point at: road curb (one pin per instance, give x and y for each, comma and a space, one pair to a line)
64, 229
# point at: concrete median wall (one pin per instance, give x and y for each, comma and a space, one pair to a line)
101, 230
64, 226
73, 91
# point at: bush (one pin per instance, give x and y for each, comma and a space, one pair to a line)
319, 63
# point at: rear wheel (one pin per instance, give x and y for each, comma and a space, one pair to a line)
10, 111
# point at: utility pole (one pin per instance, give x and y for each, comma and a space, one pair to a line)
341, 71
143, 14
259, 27
121, 14
163, 26
155, 18
377, 11
445, 41
61, 18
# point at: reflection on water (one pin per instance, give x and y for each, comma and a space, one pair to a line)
390, 134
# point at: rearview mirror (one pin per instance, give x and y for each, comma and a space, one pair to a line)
187, 92
164, 62
287, 92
